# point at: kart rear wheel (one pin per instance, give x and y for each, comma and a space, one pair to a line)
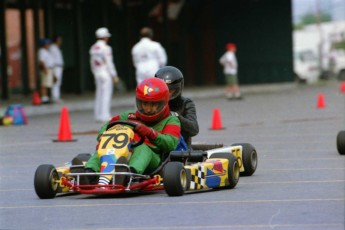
233, 168
249, 159
341, 142
46, 181
175, 178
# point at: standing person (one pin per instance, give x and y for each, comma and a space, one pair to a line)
182, 107
148, 56
45, 62
58, 67
154, 122
104, 71
229, 62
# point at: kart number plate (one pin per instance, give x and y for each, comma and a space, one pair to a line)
115, 140
237, 152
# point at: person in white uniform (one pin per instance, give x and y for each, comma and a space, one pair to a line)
104, 71
58, 67
148, 56
45, 62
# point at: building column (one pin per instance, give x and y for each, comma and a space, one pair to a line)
36, 8
78, 24
4, 75
24, 48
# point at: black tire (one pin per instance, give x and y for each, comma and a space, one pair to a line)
341, 142
249, 159
233, 168
341, 75
78, 167
175, 179
189, 177
46, 181
83, 156
299, 80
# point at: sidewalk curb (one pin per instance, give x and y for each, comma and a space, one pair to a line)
86, 102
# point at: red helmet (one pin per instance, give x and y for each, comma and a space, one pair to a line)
152, 97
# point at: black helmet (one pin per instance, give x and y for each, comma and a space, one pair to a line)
173, 77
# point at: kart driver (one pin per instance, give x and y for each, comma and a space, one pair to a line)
154, 122
182, 107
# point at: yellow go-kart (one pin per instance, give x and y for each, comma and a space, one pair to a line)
180, 171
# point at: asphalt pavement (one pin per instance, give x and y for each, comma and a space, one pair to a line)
299, 183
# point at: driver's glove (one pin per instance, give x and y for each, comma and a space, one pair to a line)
145, 131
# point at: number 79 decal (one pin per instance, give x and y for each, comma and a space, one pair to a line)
115, 140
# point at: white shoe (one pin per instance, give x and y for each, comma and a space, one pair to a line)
45, 99
58, 101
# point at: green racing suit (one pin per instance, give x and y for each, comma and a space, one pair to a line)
147, 156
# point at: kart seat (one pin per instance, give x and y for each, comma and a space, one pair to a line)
189, 155
182, 156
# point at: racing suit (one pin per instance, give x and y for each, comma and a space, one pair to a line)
186, 112
148, 56
103, 69
147, 156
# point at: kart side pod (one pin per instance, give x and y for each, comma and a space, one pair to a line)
245, 153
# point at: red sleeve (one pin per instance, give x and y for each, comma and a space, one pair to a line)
172, 129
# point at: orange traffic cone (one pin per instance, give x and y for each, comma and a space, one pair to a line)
216, 120
342, 87
36, 98
65, 133
321, 101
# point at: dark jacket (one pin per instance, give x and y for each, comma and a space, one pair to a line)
185, 108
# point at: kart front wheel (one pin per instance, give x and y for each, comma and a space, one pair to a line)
46, 181
233, 168
175, 179
341, 142
249, 159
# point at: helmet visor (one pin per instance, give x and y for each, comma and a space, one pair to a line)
174, 90
150, 108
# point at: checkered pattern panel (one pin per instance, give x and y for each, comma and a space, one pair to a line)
198, 178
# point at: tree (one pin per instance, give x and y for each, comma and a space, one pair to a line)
310, 18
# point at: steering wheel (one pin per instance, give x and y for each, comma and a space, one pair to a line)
131, 124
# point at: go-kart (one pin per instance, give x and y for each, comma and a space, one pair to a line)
341, 142
179, 171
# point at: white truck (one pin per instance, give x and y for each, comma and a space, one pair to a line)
339, 65
306, 66
312, 52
